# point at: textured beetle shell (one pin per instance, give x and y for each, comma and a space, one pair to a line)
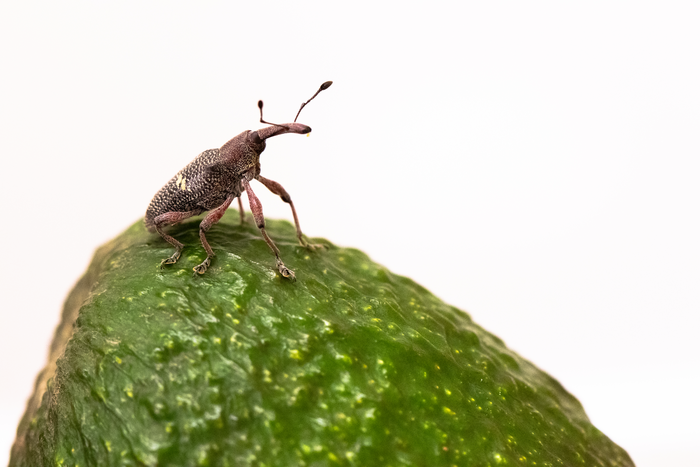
207, 181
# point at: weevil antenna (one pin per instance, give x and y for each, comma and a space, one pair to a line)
323, 87
260, 106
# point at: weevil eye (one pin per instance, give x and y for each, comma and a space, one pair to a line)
254, 137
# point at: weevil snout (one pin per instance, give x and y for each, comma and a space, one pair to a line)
278, 129
299, 128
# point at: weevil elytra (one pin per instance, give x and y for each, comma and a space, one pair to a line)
214, 179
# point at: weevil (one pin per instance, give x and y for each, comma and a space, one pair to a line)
214, 179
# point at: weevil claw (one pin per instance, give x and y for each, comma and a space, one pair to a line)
286, 272
170, 260
201, 268
311, 246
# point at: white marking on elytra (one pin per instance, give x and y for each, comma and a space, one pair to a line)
181, 182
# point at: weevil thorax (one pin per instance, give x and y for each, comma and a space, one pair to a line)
242, 152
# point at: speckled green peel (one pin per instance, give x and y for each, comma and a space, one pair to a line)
350, 365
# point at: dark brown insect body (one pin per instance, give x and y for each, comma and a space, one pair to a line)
211, 182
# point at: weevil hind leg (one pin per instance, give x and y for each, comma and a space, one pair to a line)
212, 218
170, 218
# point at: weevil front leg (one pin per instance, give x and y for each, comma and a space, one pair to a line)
256, 207
212, 218
170, 218
279, 190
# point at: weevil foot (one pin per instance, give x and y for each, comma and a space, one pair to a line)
312, 246
171, 260
285, 271
202, 268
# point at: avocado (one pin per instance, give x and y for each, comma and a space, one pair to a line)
349, 365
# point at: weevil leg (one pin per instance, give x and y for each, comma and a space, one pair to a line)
210, 219
241, 211
170, 218
256, 207
279, 190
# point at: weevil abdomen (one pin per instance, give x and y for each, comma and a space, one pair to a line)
194, 188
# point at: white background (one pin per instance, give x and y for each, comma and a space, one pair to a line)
533, 163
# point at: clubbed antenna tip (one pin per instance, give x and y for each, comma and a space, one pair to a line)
323, 87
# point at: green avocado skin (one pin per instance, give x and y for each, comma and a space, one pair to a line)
349, 365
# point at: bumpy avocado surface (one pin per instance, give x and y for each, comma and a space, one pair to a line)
350, 365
